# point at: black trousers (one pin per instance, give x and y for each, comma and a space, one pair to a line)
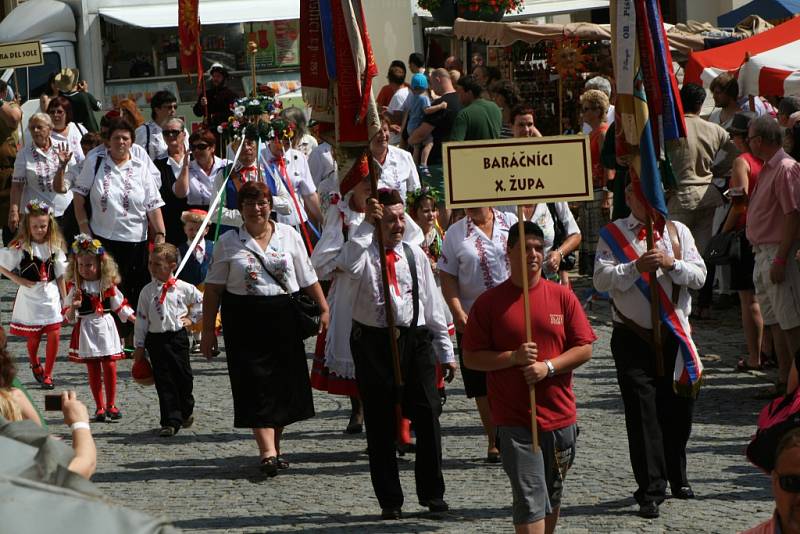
420, 403
169, 357
658, 421
131, 258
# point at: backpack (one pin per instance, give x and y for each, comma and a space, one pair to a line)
775, 420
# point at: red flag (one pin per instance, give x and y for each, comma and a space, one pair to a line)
189, 34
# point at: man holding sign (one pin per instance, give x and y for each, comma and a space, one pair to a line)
495, 341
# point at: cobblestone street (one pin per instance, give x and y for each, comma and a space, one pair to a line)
205, 478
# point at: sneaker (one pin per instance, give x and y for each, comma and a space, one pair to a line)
166, 432
114, 413
100, 415
47, 383
188, 422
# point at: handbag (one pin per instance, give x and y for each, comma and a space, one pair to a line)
306, 309
724, 248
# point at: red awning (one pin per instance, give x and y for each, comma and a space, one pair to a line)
773, 67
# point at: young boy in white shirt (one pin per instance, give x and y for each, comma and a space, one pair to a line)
167, 306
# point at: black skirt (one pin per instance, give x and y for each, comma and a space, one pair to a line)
266, 362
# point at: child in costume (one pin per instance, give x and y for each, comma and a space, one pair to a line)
92, 297
37, 256
196, 268
166, 308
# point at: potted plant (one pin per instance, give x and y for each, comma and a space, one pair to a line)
446, 11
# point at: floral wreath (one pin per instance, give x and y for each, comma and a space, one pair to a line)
38, 207
85, 244
246, 115
412, 197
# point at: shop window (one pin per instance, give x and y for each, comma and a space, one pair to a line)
32, 81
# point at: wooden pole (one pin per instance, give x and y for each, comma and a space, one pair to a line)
526, 303
253, 48
655, 315
398, 376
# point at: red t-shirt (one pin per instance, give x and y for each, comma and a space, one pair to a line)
496, 322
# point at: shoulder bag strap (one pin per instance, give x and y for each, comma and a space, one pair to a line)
266, 270
412, 267
97, 163
147, 142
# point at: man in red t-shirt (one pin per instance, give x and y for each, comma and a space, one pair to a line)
495, 341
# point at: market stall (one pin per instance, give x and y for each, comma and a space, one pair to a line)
767, 64
551, 62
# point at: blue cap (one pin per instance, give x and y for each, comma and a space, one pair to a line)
419, 81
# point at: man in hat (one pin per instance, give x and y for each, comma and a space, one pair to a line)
421, 330
84, 104
215, 104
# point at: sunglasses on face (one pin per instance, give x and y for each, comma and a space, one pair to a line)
200, 146
790, 483
171, 133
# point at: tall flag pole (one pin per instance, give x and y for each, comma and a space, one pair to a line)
189, 37
649, 116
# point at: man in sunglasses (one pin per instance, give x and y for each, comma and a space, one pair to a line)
785, 488
150, 135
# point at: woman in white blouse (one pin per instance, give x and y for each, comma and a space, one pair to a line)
264, 350
124, 202
473, 260
196, 182
64, 130
39, 171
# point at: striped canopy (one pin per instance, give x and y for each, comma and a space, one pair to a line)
773, 67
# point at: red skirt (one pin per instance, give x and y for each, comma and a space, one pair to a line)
321, 377
26, 330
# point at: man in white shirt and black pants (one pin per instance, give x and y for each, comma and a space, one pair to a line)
658, 420
422, 329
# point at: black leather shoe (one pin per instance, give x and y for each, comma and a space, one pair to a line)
683, 492
648, 510
435, 505
391, 513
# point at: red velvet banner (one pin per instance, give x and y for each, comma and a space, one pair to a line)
312, 54
189, 35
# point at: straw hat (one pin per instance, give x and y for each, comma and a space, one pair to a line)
66, 79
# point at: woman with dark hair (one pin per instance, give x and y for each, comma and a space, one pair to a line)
506, 95
255, 268
124, 203
196, 180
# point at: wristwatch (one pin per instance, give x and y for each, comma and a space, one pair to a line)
551, 369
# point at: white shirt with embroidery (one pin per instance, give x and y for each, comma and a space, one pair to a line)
239, 262
399, 171
36, 169
154, 316
360, 261
619, 279
101, 151
478, 261
120, 196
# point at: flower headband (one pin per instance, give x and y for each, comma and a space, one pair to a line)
85, 244
37, 207
413, 197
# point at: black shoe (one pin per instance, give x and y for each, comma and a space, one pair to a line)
435, 505
493, 457
683, 492
391, 513
100, 416
269, 466
403, 448
281, 462
648, 510
354, 428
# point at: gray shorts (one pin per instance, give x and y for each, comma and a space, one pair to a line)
526, 471
558, 453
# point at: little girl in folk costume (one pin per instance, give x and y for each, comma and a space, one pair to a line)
92, 297
37, 253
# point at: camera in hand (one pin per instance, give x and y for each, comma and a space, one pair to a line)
52, 403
